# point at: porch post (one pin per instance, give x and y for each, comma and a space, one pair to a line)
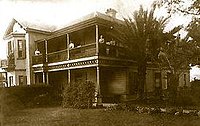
68, 57
69, 76
97, 39
43, 77
47, 77
68, 46
46, 51
45, 70
98, 97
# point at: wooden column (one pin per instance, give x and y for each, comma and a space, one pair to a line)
68, 58
97, 38
69, 76
45, 69
43, 77
46, 51
68, 41
99, 98
47, 77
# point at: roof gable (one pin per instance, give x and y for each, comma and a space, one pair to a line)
21, 26
9, 29
91, 16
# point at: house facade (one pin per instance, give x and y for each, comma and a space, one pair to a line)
80, 51
20, 37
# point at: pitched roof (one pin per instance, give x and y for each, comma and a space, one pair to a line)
39, 26
36, 25
27, 25
90, 16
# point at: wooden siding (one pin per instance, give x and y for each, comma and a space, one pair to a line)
113, 81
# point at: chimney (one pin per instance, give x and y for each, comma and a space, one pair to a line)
111, 12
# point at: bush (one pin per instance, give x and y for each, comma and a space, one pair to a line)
184, 97
189, 96
79, 95
14, 98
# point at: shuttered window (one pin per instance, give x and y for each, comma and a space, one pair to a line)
21, 49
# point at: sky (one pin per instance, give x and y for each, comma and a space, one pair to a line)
58, 12
61, 12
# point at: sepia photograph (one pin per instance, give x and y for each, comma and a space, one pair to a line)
99, 62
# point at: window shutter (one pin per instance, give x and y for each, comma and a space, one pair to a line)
25, 80
24, 49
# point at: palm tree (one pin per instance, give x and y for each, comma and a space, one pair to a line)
143, 34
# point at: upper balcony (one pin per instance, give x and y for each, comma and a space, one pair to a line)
83, 51
85, 44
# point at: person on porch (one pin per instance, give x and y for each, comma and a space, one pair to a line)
37, 52
101, 39
71, 45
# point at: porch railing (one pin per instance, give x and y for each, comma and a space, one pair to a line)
83, 51
58, 56
37, 59
112, 51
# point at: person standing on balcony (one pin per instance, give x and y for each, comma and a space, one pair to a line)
37, 52
101, 39
71, 45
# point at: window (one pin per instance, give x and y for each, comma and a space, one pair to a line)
21, 49
22, 80
158, 80
11, 81
158, 84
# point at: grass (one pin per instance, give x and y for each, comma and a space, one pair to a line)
93, 117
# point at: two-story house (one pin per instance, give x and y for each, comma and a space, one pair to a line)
80, 51
20, 37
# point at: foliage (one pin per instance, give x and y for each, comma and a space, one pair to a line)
21, 97
184, 6
194, 30
79, 95
143, 34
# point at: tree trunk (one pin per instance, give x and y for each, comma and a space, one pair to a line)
141, 78
173, 85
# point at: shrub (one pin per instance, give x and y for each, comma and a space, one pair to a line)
20, 97
188, 96
79, 95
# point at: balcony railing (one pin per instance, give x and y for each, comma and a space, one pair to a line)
112, 51
58, 56
37, 59
83, 51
